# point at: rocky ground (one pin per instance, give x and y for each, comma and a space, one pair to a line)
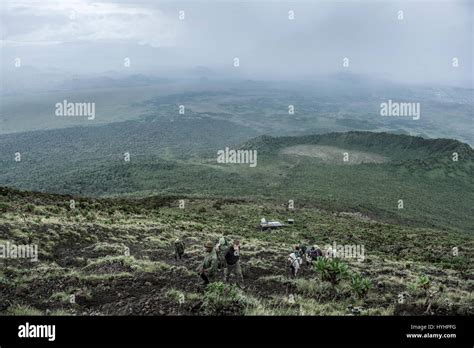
115, 257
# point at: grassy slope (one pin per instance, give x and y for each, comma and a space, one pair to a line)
82, 253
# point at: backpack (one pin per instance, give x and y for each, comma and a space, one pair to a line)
295, 262
179, 246
223, 245
231, 257
314, 253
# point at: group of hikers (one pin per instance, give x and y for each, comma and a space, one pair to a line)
222, 255
222, 258
303, 254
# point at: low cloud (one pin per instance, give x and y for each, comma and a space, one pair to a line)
56, 22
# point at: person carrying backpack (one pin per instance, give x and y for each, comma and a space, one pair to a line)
303, 249
314, 253
178, 249
232, 258
295, 260
208, 268
221, 248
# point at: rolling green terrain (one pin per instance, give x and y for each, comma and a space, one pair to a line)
115, 257
178, 156
112, 253
406, 199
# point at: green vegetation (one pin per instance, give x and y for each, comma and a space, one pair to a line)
123, 262
165, 160
360, 285
331, 270
221, 299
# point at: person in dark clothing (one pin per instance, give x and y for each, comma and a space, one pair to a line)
232, 258
178, 249
208, 268
314, 253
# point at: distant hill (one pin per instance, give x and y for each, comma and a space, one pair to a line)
99, 82
178, 156
401, 150
396, 146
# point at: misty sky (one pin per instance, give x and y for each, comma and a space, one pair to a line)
84, 37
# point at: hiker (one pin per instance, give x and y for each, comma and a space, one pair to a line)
302, 251
314, 253
232, 257
295, 261
178, 249
222, 246
208, 269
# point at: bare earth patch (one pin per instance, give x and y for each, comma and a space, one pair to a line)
334, 155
